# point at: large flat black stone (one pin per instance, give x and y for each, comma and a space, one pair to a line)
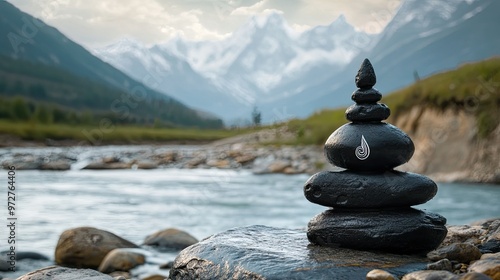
260, 252
398, 230
368, 147
348, 189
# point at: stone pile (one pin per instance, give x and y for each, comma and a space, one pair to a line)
371, 202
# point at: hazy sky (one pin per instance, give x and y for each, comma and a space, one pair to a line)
96, 23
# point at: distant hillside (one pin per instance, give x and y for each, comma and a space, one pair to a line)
472, 88
452, 117
39, 63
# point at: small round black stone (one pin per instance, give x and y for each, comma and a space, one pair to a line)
366, 75
366, 96
367, 112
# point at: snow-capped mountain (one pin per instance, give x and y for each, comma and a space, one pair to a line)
423, 38
290, 74
262, 62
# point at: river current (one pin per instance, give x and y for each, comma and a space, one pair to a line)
136, 203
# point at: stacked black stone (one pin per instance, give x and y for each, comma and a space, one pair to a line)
371, 202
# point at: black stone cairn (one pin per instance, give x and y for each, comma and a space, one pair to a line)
371, 202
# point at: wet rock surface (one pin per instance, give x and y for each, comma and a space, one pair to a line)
385, 146
86, 247
398, 230
348, 189
371, 202
260, 252
64, 273
170, 239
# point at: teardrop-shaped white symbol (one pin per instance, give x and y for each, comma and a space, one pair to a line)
363, 151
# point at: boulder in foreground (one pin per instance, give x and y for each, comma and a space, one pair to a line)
86, 247
260, 252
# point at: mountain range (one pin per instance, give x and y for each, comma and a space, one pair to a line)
70, 76
290, 74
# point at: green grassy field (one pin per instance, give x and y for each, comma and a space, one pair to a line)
107, 133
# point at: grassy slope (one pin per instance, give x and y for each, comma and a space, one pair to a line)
111, 134
472, 87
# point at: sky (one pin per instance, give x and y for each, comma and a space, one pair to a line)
97, 23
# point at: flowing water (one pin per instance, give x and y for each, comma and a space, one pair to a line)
136, 203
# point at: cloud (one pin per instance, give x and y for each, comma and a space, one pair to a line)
95, 23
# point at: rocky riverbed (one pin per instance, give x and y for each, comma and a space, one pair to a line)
468, 252
260, 159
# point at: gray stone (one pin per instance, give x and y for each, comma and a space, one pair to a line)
64, 273
474, 276
260, 252
170, 239
431, 275
86, 247
366, 77
398, 230
121, 260
443, 264
368, 147
367, 112
378, 274
490, 267
460, 252
366, 96
347, 189
490, 246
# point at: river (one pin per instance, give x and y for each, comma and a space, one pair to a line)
136, 203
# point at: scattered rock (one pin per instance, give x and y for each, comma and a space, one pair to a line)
460, 252
443, 264
104, 165
60, 165
463, 234
155, 277
86, 247
489, 266
278, 166
474, 276
143, 164
170, 239
430, 275
378, 274
64, 273
121, 260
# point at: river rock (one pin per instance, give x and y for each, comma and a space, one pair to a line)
443, 264
59, 165
105, 166
399, 230
475, 276
489, 266
261, 252
121, 260
347, 189
431, 275
170, 239
86, 247
368, 147
460, 252
379, 274
64, 273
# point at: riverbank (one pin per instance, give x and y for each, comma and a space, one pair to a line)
468, 252
255, 152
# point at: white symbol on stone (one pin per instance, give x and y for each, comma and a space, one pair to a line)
363, 151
